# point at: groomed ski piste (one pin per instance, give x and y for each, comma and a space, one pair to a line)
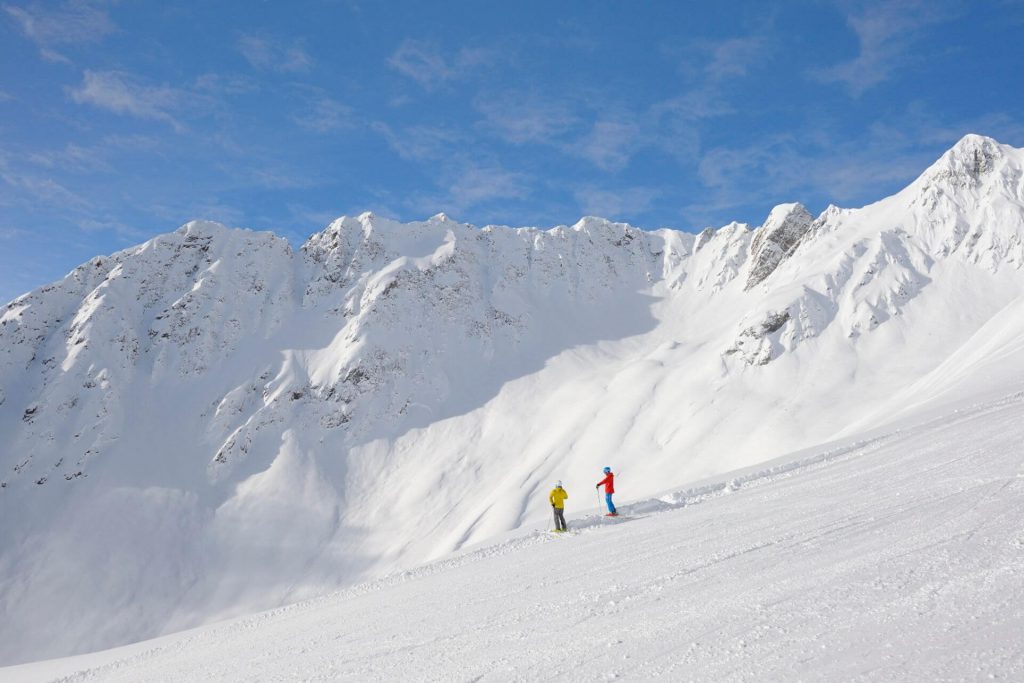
893, 555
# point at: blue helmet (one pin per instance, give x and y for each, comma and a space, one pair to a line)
607, 470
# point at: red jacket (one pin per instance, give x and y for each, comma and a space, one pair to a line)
609, 483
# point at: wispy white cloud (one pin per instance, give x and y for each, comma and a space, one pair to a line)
707, 62
272, 177
589, 123
121, 93
425, 64
477, 184
580, 125
708, 66
206, 209
111, 225
10, 233
617, 204
50, 55
886, 33
325, 115
821, 161
676, 124
267, 53
1008, 128
91, 158
40, 190
465, 184
45, 194
520, 118
72, 157
224, 84
420, 143
129, 142
609, 144
694, 105
466, 174
6, 96
734, 57
311, 219
69, 23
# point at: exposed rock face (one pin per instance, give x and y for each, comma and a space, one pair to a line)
758, 344
967, 162
774, 241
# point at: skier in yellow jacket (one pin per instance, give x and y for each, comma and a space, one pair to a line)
557, 498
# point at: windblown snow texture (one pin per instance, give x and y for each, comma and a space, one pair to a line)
210, 424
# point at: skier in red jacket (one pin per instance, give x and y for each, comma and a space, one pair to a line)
609, 489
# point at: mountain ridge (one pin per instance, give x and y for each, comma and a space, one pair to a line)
231, 406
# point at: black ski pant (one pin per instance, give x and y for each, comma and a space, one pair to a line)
559, 518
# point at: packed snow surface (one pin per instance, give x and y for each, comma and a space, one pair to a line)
211, 424
896, 556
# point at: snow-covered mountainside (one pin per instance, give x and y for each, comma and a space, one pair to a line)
895, 556
210, 424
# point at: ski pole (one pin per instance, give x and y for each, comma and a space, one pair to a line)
598, 492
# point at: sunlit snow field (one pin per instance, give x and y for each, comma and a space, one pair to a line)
894, 556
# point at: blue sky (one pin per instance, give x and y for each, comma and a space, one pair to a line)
123, 120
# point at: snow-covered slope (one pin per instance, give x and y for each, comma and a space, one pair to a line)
895, 557
210, 424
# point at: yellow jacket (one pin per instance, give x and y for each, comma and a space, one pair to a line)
558, 496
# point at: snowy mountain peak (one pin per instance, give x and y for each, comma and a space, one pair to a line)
783, 212
776, 239
595, 222
201, 228
974, 154
972, 163
969, 203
